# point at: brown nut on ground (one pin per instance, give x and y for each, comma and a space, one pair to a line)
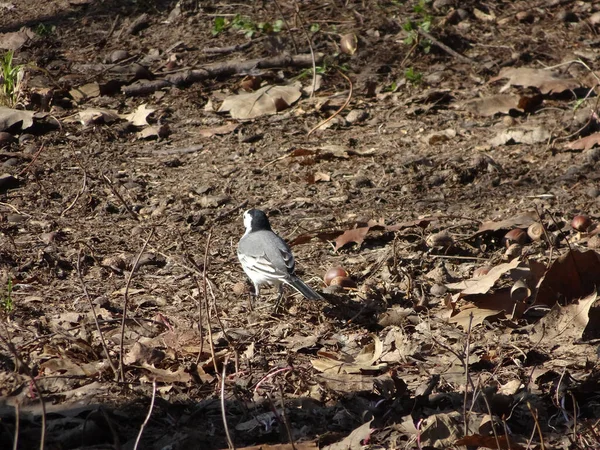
515, 236
334, 272
581, 223
345, 282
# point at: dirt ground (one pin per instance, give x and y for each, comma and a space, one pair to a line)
434, 129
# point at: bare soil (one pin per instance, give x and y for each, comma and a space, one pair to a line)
398, 349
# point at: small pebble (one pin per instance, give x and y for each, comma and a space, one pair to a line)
592, 192
26, 137
357, 115
567, 16
11, 162
5, 139
525, 16
438, 290
7, 181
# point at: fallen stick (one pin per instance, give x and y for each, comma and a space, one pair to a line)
444, 47
219, 70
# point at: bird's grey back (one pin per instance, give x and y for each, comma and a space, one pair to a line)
268, 244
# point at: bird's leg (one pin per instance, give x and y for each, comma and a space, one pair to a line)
279, 297
255, 295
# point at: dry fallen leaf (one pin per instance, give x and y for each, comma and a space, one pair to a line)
522, 220
356, 235
573, 275
80, 93
16, 39
565, 323
267, 100
97, 115
354, 441
10, 117
490, 106
139, 117
218, 131
546, 81
482, 285
329, 362
585, 143
521, 136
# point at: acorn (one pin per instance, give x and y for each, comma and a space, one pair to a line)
581, 223
535, 231
344, 282
333, 273
515, 236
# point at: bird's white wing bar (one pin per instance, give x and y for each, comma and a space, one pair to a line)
261, 265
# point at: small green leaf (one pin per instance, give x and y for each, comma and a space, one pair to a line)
218, 25
278, 26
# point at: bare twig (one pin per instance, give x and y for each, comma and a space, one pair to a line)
84, 184
147, 419
207, 306
114, 191
17, 425
467, 352
227, 213
126, 302
286, 420
32, 160
320, 124
93, 308
231, 48
226, 68
444, 47
287, 26
489, 409
537, 425
312, 52
27, 370
223, 412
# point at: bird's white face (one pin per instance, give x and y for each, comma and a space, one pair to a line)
247, 222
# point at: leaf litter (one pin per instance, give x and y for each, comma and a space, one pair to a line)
391, 360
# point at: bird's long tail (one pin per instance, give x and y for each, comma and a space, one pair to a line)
303, 288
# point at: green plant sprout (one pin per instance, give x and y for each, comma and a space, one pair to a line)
245, 24
10, 80
423, 23
412, 76
6, 302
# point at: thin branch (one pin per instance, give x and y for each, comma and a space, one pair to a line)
126, 301
287, 26
312, 52
121, 199
32, 161
467, 352
223, 413
147, 419
444, 47
27, 370
286, 420
320, 124
93, 308
17, 425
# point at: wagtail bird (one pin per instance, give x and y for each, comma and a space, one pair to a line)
267, 259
